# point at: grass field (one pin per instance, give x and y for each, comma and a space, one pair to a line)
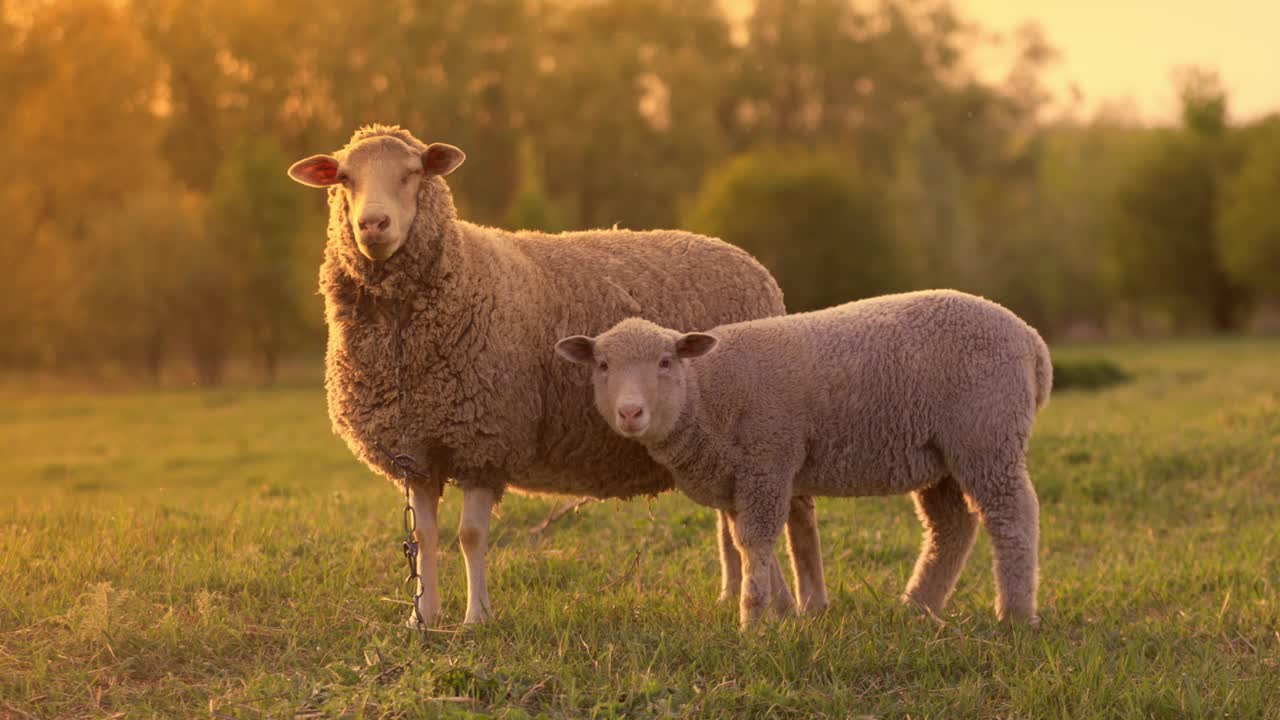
220, 554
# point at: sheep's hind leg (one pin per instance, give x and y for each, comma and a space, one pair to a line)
1010, 512
949, 532
730, 559
473, 535
806, 554
424, 497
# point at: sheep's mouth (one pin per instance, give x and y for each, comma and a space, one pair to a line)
379, 251
632, 431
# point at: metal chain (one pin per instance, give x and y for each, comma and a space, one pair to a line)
405, 464
412, 583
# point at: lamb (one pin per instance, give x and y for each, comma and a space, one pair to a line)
932, 393
439, 347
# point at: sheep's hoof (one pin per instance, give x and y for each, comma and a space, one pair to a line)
412, 621
477, 618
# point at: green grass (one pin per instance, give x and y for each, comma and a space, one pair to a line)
219, 554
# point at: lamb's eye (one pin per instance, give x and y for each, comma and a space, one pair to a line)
664, 363
344, 180
603, 367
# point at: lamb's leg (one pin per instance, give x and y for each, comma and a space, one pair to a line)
757, 523
949, 532
806, 554
424, 497
1010, 512
730, 560
784, 603
473, 535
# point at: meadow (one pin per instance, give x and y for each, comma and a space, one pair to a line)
218, 553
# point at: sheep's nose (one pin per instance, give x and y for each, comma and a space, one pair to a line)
630, 413
375, 222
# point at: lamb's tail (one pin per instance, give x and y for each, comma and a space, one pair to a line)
1043, 370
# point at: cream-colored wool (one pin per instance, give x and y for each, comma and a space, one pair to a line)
477, 310
932, 393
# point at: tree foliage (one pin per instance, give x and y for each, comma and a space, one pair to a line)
810, 220
129, 122
1249, 218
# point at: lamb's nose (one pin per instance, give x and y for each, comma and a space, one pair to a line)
630, 412
375, 222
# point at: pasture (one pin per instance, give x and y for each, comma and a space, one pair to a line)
193, 553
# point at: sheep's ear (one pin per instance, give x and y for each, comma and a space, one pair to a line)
577, 349
315, 171
692, 345
441, 159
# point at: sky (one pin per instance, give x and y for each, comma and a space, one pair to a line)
1115, 50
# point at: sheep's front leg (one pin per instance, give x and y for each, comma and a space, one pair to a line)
730, 560
806, 554
783, 603
424, 498
473, 535
757, 522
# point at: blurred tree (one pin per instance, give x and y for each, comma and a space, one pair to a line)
141, 260
1249, 217
1204, 100
1166, 212
627, 110
80, 136
254, 215
820, 230
532, 209
1164, 240
933, 222
1080, 169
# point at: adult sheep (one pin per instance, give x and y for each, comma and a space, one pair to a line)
440, 335
932, 393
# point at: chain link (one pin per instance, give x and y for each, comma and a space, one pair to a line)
412, 583
404, 463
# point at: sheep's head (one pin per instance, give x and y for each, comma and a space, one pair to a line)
380, 176
639, 373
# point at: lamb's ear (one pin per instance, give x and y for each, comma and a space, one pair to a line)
315, 171
441, 159
577, 349
692, 345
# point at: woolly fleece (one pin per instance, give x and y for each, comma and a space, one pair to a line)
478, 310
932, 393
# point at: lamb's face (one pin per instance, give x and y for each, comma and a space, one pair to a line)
639, 375
380, 178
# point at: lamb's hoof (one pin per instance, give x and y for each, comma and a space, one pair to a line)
815, 608
923, 610
1029, 622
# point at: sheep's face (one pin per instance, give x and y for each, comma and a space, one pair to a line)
380, 178
639, 374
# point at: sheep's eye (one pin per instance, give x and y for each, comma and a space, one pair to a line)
603, 367
664, 363
344, 180
408, 176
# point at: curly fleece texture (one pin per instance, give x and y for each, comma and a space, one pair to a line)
478, 310
932, 393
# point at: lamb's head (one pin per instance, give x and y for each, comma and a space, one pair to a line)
380, 173
640, 373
